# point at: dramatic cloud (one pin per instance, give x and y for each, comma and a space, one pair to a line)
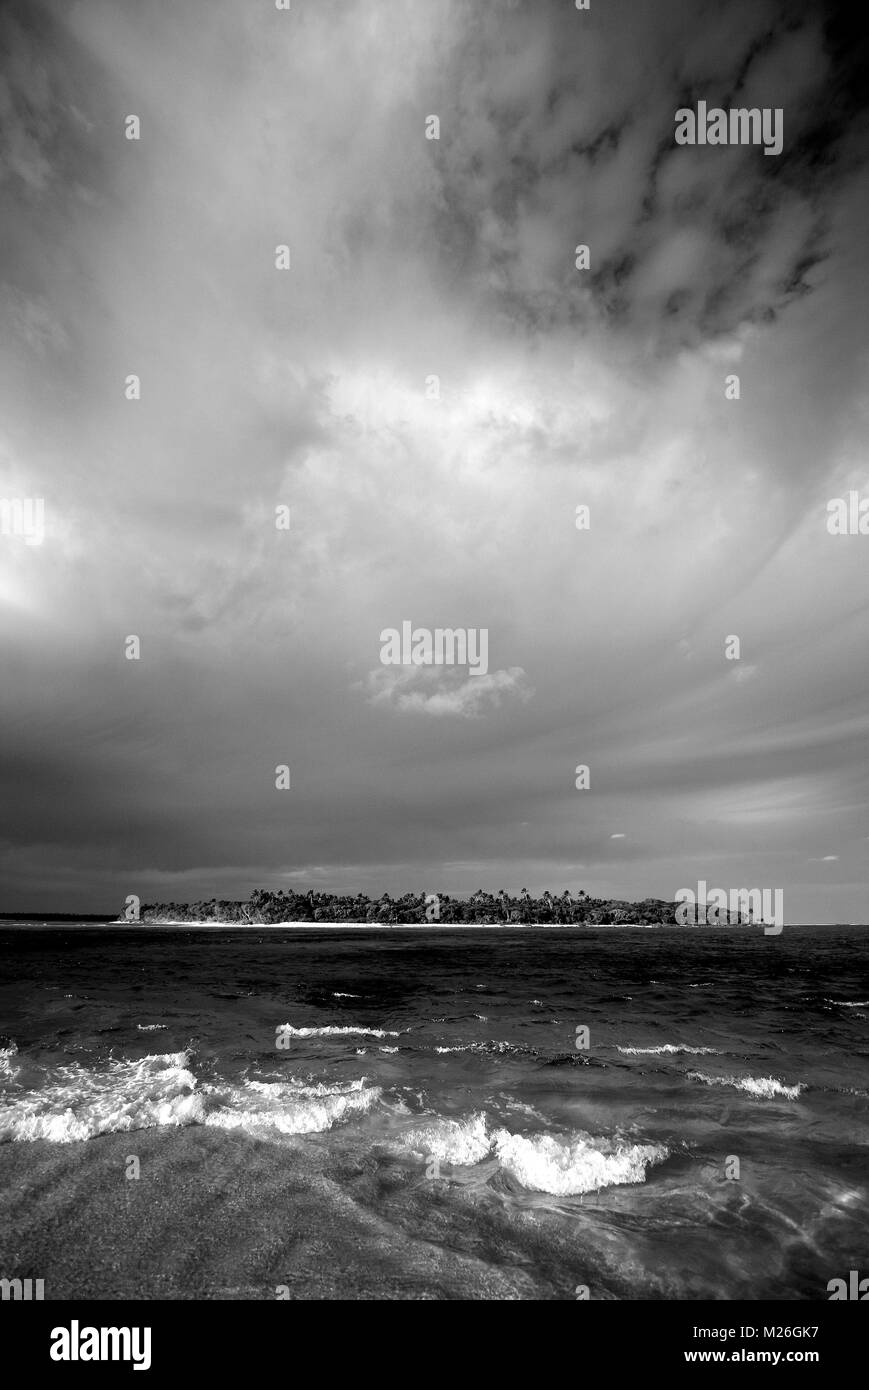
432, 389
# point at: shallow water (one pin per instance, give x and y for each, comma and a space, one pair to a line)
431, 1082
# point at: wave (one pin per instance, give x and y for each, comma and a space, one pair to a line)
563, 1165
668, 1049
152, 1027
765, 1087
78, 1103
289, 1107
849, 1004
568, 1166
332, 1031
450, 1141
8, 1068
491, 1048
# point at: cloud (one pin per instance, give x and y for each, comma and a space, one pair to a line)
440, 693
415, 259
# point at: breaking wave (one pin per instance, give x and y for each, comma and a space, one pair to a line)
8, 1068
450, 1141
332, 1031
563, 1165
78, 1103
668, 1049
567, 1166
289, 1107
764, 1087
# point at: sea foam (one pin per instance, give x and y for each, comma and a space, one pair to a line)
77, 1103
9, 1068
492, 1048
289, 1107
563, 1165
569, 1165
763, 1087
333, 1031
450, 1141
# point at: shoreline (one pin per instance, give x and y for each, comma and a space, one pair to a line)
400, 926
580, 928
577, 927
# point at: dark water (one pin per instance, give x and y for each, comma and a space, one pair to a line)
710, 1140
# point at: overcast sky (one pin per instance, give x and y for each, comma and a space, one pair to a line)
559, 387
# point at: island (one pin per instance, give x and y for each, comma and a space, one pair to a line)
264, 908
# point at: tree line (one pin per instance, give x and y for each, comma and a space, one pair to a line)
264, 907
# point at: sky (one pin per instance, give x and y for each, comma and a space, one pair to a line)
311, 388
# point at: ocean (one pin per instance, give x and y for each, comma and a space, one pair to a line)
549, 1113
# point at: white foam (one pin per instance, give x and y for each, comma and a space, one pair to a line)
450, 1141
289, 1107
765, 1087
152, 1027
852, 1004
669, 1049
566, 1166
78, 1103
331, 1031
8, 1068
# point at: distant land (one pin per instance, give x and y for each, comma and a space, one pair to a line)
263, 908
